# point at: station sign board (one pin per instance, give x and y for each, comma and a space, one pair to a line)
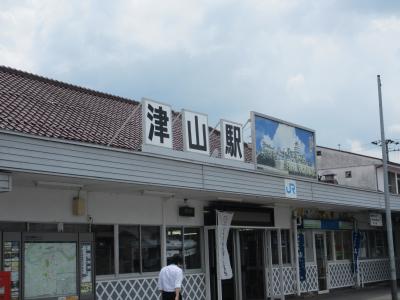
157, 123
232, 145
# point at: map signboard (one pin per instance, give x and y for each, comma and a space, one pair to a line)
50, 269
283, 146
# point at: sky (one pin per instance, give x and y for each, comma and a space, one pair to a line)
308, 62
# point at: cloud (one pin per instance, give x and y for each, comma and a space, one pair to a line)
394, 129
313, 63
357, 146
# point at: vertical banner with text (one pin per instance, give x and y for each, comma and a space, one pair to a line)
302, 259
224, 222
356, 249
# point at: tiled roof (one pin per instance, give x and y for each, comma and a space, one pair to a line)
40, 106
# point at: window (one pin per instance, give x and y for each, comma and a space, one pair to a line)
343, 244
151, 248
377, 244
319, 153
185, 241
398, 183
104, 237
285, 240
347, 174
129, 249
174, 242
309, 245
392, 182
373, 244
192, 248
139, 249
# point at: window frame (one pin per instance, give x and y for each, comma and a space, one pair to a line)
117, 274
289, 247
341, 232
201, 247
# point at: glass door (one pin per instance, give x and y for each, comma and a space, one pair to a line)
252, 264
321, 259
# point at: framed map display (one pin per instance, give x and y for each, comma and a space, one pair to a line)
50, 269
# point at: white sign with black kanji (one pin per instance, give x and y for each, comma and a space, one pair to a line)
232, 145
157, 123
195, 132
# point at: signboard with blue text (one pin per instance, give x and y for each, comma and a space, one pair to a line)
283, 146
290, 188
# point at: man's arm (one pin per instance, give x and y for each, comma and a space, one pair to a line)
177, 293
178, 284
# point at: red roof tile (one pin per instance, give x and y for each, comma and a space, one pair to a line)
40, 106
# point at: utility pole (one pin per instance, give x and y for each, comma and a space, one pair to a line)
393, 282
387, 142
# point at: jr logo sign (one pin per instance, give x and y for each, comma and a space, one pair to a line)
290, 188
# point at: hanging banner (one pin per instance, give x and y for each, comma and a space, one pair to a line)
302, 259
356, 250
224, 222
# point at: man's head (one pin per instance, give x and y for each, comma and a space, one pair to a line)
176, 260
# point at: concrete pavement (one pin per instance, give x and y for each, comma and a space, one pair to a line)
380, 292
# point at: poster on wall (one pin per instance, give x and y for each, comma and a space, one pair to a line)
283, 146
11, 263
86, 268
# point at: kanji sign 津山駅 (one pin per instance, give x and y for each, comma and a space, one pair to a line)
232, 140
157, 123
195, 132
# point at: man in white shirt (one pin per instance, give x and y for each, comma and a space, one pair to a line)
170, 279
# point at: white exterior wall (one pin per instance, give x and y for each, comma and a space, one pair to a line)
283, 217
35, 204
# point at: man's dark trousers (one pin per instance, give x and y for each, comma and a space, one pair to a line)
170, 296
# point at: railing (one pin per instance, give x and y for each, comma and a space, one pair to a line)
374, 270
145, 288
340, 274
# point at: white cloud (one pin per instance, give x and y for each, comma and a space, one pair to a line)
357, 146
313, 63
394, 129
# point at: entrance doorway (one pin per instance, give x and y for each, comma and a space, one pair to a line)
321, 259
252, 264
248, 257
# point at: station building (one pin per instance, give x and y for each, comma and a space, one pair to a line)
91, 208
